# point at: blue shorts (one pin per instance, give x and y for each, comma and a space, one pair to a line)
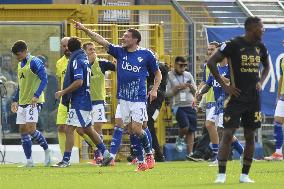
187, 118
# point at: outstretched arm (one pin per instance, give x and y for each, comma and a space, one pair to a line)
93, 35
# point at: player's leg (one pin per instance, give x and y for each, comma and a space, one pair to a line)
146, 129
231, 120
139, 116
61, 126
117, 133
211, 119
278, 132
31, 120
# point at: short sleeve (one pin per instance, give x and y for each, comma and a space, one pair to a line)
210, 80
227, 48
153, 64
78, 67
115, 50
264, 53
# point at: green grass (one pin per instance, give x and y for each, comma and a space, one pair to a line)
170, 175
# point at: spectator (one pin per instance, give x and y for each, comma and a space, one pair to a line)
181, 87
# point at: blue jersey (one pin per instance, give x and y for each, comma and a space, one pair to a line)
132, 71
219, 93
78, 68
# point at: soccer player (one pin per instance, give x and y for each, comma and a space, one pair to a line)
76, 91
245, 54
28, 100
279, 119
220, 96
98, 91
61, 66
211, 133
132, 64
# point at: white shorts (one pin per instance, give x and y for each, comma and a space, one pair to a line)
79, 118
279, 110
136, 111
210, 114
117, 112
27, 114
219, 120
98, 113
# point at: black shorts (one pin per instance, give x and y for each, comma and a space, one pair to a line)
248, 113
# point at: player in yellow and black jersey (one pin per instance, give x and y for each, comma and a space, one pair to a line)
245, 54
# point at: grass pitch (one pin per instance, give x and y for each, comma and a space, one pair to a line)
169, 175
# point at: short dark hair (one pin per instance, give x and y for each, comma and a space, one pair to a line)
180, 59
250, 21
19, 46
215, 43
135, 34
87, 44
74, 43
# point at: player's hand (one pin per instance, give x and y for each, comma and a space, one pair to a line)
231, 90
34, 101
58, 94
78, 25
258, 86
152, 95
14, 107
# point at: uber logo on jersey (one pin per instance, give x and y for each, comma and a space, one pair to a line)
127, 66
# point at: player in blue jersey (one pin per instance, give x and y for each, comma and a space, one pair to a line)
76, 93
28, 100
220, 96
133, 63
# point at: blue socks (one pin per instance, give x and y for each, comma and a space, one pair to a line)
137, 148
27, 145
149, 136
116, 140
145, 142
101, 147
215, 148
66, 156
278, 135
238, 147
39, 138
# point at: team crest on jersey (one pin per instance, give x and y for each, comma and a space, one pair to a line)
140, 59
242, 49
227, 118
257, 49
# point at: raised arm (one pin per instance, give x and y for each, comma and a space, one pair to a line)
93, 35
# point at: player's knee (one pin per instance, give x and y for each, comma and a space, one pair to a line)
61, 128
279, 119
80, 131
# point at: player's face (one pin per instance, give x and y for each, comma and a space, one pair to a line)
258, 30
210, 49
127, 40
91, 52
64, 47
21, 55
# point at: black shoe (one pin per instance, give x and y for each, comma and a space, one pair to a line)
106, 161
130, 158
213, 158
160, 159
62, 164
194, 157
